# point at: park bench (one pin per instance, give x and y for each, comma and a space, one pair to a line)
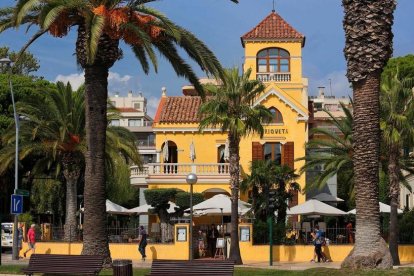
64, 264
187, 268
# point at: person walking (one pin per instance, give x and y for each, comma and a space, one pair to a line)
20, 237
212, 239
31, 237
142, 242
349, 229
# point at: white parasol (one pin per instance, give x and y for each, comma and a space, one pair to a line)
192, 152
165, 152
226, 151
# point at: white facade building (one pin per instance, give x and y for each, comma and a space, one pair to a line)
133, 111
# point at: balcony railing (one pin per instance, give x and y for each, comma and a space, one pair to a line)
277, 77
180, 169
145, 143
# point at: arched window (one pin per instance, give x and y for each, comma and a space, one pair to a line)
277, 117
274, 60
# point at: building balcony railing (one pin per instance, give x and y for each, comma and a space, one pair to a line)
154, 172
276, 77
145, 143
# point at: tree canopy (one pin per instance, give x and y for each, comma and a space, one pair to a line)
26, 64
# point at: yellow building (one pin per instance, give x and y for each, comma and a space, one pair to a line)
273, 49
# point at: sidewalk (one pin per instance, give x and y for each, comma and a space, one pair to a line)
299, 266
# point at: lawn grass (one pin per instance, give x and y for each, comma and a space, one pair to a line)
242, 271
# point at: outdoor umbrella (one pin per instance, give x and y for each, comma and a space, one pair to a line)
219, 205
226, 151
143, 209
192, 152
165, 152
113, 208
384, 208
315, 207
324, 197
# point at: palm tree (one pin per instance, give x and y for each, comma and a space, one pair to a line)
230, 108
102, 24
267, 175
53, 133
332, 152
258, 182
368, 46
397, 126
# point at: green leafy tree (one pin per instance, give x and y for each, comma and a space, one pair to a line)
397, 128
402, 66
159, 199
230, 108
53, 134
25, 65
101, 26
47, 196
182, 199
23, 87
368, 46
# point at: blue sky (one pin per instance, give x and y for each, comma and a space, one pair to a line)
220, 23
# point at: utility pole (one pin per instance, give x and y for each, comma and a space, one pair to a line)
7, 62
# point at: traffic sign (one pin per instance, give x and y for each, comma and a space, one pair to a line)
16, 207
22, 192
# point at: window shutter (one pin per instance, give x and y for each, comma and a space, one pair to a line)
257, 151
288, 158
288, 154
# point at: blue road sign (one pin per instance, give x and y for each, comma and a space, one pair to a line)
16, 207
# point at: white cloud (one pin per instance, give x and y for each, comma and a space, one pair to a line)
75, 80
116, 77
152, 104
116, 82
340, 84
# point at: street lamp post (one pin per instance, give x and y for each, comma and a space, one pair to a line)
7, 62
191, 179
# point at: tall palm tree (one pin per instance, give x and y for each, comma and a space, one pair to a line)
230, 108
101, 25
368, 46
53, 133
397, 126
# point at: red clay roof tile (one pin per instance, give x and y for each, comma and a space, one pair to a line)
273, 27
181, 109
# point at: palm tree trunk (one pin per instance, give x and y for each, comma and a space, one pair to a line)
370, 249
393, 170
71, 171
95, 237
234, 184
71, 205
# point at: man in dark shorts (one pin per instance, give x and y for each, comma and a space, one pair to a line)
142, 242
